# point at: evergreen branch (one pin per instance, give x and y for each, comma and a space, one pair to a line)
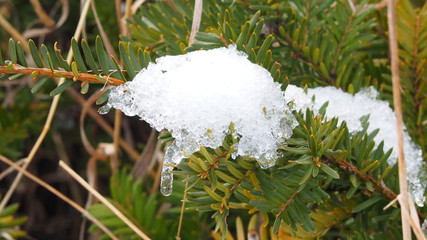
84, 77
347, 30
412, 66
298, 53
287, 203
353, 170
379, 187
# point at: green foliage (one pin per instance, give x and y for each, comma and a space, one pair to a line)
145, 211
16, 126
127, 194
328, 182
9, 224
327, 39
293, 190
412, 31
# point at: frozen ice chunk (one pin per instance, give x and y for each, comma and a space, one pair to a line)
351, 109
197, 95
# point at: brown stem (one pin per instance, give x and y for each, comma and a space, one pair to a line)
287, 203
84, 77
379, 187
351, 169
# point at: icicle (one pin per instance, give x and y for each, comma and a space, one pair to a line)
173, 156
105, 109
166, 183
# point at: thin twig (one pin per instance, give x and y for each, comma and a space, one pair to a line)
394, 55
181, 215
60, 195
350, 168
84, 77
96, 194
50, 116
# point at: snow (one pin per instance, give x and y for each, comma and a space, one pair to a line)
351, 109
197, 95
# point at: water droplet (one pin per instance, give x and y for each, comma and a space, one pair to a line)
166, 182
104, 109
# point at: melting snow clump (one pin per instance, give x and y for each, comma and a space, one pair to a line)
351, 108
197, 95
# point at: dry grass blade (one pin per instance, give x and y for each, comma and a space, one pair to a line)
60, 195
394, 54
50, 116
102, 122
114, 163
156, 185
412, 217
89, 148
415, 222
13, 32
110, 206
9, 170
91, 172
65, 12
43, 16
128, 9
118, 6
197, 18
36, 32
136, 5
104, 36
144, 161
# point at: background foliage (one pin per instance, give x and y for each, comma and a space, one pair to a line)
328, 183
